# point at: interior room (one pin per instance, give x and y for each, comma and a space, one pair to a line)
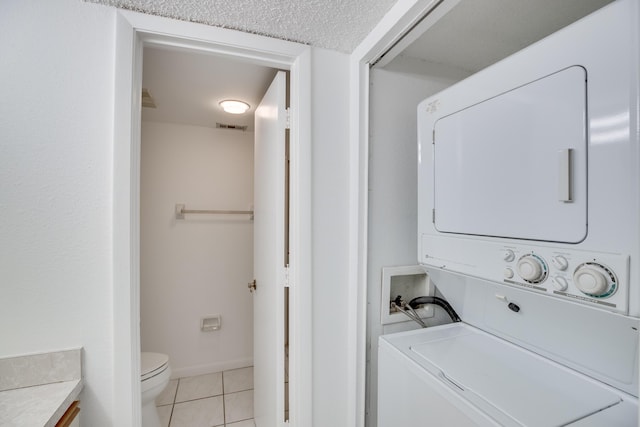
129, 243
195, 267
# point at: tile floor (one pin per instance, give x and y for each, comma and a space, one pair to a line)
210, 400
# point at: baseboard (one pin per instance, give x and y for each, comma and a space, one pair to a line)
190, 371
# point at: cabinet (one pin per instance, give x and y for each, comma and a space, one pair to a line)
70, 417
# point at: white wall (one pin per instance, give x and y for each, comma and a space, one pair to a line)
330, 218
56, 146
198, 266
56, 200
392, 234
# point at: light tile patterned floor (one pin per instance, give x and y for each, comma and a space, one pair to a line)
222, 399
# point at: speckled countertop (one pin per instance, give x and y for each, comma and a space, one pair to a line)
39, 405
36, 390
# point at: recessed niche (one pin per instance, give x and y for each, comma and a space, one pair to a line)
408, 282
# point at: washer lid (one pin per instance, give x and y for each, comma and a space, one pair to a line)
514, 386
152, 364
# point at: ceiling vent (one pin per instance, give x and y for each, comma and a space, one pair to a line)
147, 99
233, 127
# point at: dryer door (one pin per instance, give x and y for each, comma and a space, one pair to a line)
515, 165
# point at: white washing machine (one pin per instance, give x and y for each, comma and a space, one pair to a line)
458, 375
528, 224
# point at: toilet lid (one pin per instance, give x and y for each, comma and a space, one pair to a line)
152, 364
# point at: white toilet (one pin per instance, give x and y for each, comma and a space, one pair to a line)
154, 375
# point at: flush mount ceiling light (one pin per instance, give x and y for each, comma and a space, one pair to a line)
234, 107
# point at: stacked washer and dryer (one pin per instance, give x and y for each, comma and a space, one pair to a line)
529, 225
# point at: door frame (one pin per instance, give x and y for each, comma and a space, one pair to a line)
134, 31
386, 37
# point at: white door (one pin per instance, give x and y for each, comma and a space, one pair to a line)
269, 255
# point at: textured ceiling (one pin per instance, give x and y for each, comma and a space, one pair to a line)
187, 86
333, 24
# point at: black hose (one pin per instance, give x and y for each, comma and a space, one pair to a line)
414, 303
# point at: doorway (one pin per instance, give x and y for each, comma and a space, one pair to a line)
194, 268
134, 33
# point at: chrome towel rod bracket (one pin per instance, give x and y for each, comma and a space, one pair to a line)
181, 211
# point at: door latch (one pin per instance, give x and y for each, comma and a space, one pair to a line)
252, 286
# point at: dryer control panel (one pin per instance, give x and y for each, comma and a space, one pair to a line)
589, 278
596, 279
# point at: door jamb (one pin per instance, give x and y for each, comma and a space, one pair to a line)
403, 16
133, 31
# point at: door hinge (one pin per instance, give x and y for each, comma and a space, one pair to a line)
287, 282
287, 118
433, 216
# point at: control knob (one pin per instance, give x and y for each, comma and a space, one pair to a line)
508, 273
532, 268
560, 262
560, 283
508, 255
595, 280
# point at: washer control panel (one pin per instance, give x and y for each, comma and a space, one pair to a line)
587, 277
597, 279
